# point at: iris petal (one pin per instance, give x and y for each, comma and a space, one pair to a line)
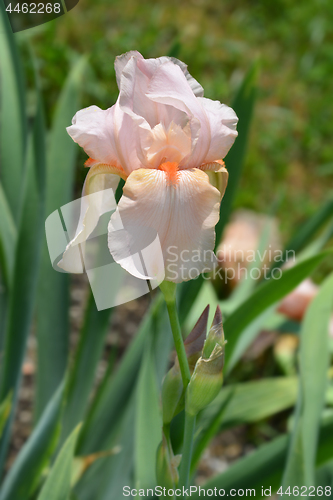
182, 213
97, 199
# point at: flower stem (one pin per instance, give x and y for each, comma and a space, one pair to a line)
185, 464
179, 343
169, 291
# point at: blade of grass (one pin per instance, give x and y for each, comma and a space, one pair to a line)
314, 362
8, 235
316, 245
5, 411
25, 474
13, 126
244, 403
207, 294
249, 334
206, 433
264, 466
3, 312
106, 478
324, 477
86, 359
267, 294
307, 230
58, 483
120, 473
27, 259
108, 409
148, 422
53, 287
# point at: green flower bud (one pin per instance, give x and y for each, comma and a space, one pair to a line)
195, 341
206, 382
167, 466
215, 335
207, 377
173, 400
172, 393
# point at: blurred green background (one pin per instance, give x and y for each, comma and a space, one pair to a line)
290, 155
288, 170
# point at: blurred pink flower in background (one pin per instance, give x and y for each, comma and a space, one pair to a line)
161, 136
295, 304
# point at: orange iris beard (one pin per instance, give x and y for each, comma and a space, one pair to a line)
171, 169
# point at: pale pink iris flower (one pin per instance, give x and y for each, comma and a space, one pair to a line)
161, 137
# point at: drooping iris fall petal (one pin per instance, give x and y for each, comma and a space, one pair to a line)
97, 199
182, 210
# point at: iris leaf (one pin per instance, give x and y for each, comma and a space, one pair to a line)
108, 409
13, 126
53, 287
26, 267
58, 483
8, 235
82, 374
244, 403
148, 422
265, 296
25, 474
314, 363
264, 466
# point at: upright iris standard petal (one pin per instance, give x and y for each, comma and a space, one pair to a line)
122, 60
222, 124
181, 208
173, 143
149, 66
93, 129
169, 86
